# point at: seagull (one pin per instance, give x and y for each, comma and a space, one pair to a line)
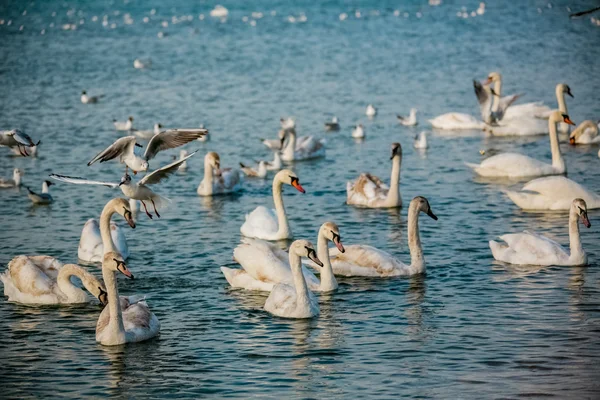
136, 191
358, 132
43, 198
124, 147
139, 64
17, 138
411, 120
14, 182
260, 172
124, 126
85, 99
204, 138
371, 111
333, 125
274, 165
420, 141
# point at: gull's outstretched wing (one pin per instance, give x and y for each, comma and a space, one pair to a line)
23, 138
164, 172
170, 139
82, 181
118, 148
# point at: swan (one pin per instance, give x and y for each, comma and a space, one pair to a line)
358, 132
275, 144
91, 248
364, 260
333, 125
533, 249
216, 180
86, 99
411, 120
304, 148
45, 280
124, 126
456, 121
585, 133
182, 156
260, 172
44, 197
264, 264
552, 193
371, 111
514, 165
126, 319
370, 191
14, 182
287, 124
266, 224
295, 301
420, 141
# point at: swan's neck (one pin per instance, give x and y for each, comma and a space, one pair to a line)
574, 238
208, 177
284, 227
115, 322
417, 261
291, 144
562, 106
277, 160
299, 282
66, 286
105, 217
557, 161
328, 281
393, 195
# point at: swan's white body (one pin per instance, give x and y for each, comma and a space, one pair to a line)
45, 280
411, 120
358, 132
123, 320
295, 301
266, 224
420, 141
514, 165
216, 180
552, 193
529, 248
14, 182
91, 248
370, 191
363, 260
264, 265
303, 148
585, 133
456, 121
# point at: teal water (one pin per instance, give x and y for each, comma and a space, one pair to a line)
470, 328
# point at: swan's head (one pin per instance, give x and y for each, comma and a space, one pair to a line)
122, 207
493, 77
287, 123
98, 291
290, 178
304, 248
580, 208
422, 205
396, 150
114, 262
564, 88
331, 232
581, 129
557, 116
213, 160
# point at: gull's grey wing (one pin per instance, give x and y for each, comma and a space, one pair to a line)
170, 139
119, 147
164, 172
23, 138
82, 181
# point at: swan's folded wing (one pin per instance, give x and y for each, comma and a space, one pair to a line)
512, 163
82, 181
121, 146
261, 263
536, 247
164, 173
363, 256
171, 139
28, 278
557, 187
261, 219
282, 300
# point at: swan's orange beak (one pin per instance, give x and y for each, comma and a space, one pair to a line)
572, 140
135, 172
487, 81
298, 187
567, 120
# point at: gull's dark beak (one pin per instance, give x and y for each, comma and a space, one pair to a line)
431, 214
122, 182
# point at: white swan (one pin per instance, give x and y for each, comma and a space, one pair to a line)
260, 172
304, 148
44, 197
216, 180
370, 191
358, 132
420, 141
514, 165
533, 249
264, 264
266, 224
411, 120
371, 111
552, 193
14, 182
295, 301
124, 320
456, 121
585, 133
91, 248
45, 280
363, 260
